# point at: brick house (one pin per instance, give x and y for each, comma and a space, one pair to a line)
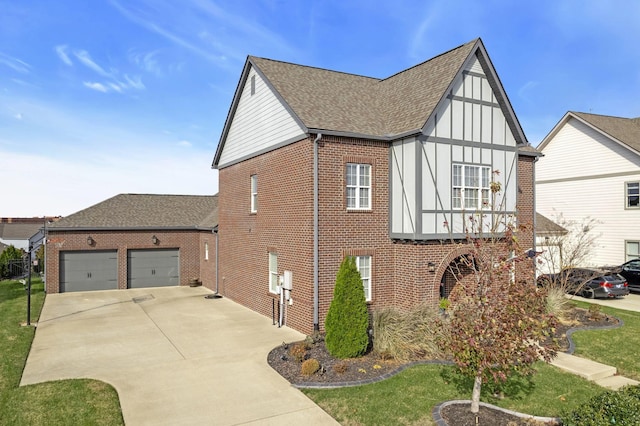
133, 241
315, 165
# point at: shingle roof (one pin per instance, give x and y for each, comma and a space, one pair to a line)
331, 100
19, 231
544, 225
136, 211
625, 130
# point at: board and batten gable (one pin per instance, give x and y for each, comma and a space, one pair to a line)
467, 128
582, 176
261, 122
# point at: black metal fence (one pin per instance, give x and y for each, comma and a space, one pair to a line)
19, 268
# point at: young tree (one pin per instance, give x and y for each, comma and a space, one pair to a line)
498, 325
347, 320
9, 255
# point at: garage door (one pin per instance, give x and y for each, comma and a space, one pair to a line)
153, 268
88, 270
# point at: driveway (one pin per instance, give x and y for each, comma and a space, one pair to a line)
629, 303
173, 356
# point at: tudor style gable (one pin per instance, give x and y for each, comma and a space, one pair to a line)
442, 175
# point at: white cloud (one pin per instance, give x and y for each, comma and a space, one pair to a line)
61, 51
15, 63
96, 86
185, 143
84, 57
18, 116
135, 82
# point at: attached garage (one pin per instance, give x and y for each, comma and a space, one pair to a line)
88, 270
153, 268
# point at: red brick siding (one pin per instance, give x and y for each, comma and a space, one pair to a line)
525, 206
188, 242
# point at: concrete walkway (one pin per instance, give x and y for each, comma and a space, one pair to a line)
604, 375
173, 356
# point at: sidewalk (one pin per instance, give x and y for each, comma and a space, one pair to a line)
601, 374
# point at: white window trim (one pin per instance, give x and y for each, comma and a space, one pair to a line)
626, 195
483, 191
273, 273
254, 193
628, 256
206, 250
366, 279
359, 188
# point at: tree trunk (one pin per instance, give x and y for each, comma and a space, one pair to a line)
475, 395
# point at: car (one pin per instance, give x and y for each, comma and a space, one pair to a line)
588, 282
631, 272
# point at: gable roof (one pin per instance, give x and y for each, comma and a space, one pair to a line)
545, 226
332, 102
625, 131
19, 231
145, 211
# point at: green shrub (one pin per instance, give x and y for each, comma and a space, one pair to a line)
299, 351
595, 312
310, 367
347, 320
407, 335
608, 408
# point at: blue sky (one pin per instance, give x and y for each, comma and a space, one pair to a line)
102, 97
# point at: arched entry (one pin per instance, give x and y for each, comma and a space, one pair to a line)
453, 269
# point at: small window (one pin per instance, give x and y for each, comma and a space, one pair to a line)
254, 193
633, 195
273, 272
358, 186
633, 250
206, 251
253, 85
363, 263
470, 187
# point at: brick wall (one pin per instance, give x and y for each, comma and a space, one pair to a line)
188, 242
283, 224
525, 206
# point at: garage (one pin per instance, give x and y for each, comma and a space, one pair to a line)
153, 268
88, 270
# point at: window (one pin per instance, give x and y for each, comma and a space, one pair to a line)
273, 272
363, 263
254, 193
633, 250
358, 186
206, 251
470, 187
633, 195
253, 85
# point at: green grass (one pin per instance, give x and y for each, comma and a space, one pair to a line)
617, 347
409, 397
53, 403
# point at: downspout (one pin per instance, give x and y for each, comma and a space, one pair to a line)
215, 231
316, 322
535, 225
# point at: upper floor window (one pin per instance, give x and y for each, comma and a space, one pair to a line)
358, 186
470, 187
254, 193
363, 263
633, 195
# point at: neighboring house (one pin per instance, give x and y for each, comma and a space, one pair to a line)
549, 239
17, 231
315, 165
132, 241
591, 168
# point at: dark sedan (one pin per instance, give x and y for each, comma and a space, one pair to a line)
588, 282
631, 272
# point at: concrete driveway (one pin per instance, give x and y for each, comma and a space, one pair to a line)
173, 356
629, 303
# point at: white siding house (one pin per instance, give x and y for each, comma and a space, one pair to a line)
591, 169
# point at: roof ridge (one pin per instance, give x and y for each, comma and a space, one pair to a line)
314, 67
605, 115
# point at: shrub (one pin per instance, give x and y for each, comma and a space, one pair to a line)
341, 367
557, 303
310, 367
299, 351
607, 408
347, 320
406, 335
595, 311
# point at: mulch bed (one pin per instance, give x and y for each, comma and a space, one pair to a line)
370, 368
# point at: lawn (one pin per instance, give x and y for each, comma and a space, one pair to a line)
53, 403
408, 398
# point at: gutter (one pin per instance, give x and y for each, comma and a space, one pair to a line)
316, 321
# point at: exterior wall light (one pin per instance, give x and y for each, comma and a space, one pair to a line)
90, 240
431, 266
154, 240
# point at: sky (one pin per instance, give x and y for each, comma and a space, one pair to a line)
102, 97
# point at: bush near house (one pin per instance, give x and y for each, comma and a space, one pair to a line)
9, 254
608, 408
347, 320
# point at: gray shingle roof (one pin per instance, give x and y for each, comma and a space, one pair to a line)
331, 100
544, 225
19, 231
625, 130
146, 211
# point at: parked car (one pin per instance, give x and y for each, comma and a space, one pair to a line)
588, 282
631, 272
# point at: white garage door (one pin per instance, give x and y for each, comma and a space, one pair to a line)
88, 270
153, 268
